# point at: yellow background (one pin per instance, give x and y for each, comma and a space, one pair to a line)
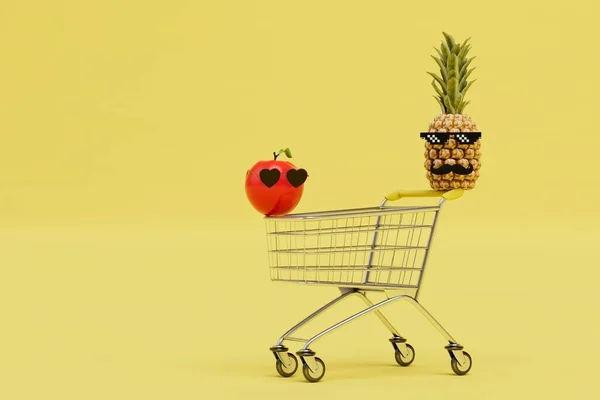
132, 266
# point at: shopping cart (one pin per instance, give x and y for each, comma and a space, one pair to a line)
360, 250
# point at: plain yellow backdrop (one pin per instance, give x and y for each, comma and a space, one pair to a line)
133, 267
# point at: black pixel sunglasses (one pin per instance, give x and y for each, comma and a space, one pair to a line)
442, 137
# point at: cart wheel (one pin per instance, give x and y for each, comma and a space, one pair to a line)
405, 361
461, 369
287, 370
314, 376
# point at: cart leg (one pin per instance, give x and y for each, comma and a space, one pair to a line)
286, 335
460, 359
375, 307
401, 348
285, 361
432, 320
313, 367
305, 351
379, 314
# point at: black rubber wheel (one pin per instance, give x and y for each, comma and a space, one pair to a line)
314, 376
287, 370
405, 361
465, 367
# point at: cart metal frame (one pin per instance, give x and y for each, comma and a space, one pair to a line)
299, 252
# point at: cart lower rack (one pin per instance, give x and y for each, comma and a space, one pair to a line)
362, 250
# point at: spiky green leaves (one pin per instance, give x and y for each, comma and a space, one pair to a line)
453, 69
453, 83
443, 69
452, 95
440, 81
449, 40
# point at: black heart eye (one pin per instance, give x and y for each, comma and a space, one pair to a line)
269, 177
296, 177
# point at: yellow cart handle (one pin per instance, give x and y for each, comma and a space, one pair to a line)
449, 195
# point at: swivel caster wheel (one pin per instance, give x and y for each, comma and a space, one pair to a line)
289, 368
462, 368
405, 359
315, 373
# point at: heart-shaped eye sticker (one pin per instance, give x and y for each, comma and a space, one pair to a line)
296, 177
269, 177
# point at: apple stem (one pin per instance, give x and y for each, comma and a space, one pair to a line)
286, 151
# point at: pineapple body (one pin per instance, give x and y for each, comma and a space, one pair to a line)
452, 152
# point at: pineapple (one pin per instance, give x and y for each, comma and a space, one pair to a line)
452, 147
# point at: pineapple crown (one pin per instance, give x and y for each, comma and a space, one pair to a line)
452, 85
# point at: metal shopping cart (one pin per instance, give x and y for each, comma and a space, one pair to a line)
360, 250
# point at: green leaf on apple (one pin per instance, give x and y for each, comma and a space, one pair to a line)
288, 152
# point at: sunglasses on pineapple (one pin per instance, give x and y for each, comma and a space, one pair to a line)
442, 137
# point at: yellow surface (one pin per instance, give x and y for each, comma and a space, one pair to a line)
132, 266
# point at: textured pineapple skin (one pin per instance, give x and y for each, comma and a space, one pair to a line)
453, 153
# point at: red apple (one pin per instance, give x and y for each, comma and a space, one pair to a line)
275, 187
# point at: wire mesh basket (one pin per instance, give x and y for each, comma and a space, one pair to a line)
371, 247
